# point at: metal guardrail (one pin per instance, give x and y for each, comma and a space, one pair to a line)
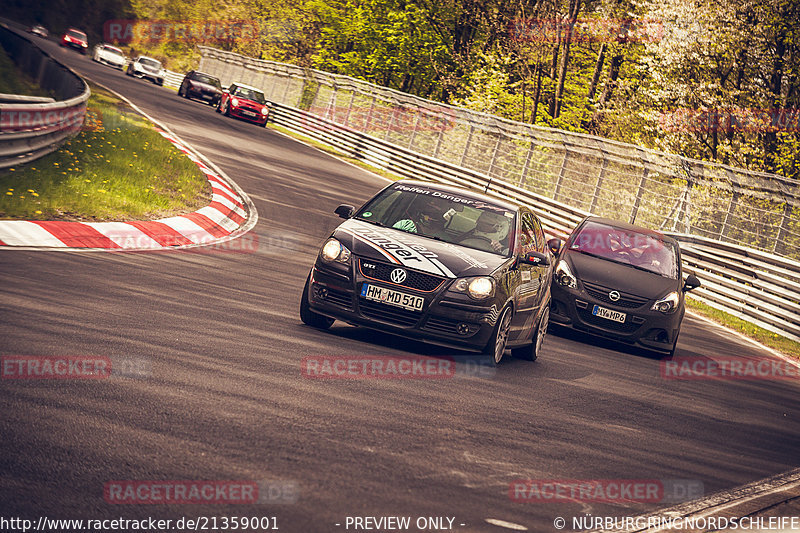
172, 79
759, 287
654, 189
29, 130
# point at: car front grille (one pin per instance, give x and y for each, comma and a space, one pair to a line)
626, 300
388, 313
414, 280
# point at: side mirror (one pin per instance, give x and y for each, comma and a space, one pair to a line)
691, 283
535, 259
345, 211
555, 245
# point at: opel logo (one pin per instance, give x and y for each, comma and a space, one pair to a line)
398, 276
613, 295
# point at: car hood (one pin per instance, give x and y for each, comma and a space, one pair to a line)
623, 278
415, 252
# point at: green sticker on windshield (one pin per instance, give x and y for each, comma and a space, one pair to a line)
367, 214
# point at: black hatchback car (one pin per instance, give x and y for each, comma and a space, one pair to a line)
621, 281
202, 86
438, 264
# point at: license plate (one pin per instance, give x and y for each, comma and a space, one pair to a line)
248, 113
608, 314
392, 297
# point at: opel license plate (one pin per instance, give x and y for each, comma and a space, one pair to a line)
608, 314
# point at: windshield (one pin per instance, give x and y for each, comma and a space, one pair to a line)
77, 35
443, 216
250, 94
115, 51
204, 78
645, 251
152, 63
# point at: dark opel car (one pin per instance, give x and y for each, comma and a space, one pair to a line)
438, 264
245, 102
621, 281
201, 86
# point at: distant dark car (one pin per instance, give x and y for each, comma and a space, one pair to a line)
146, 67
245, 102
438, 264
621, 281
39, 30
201, 86
76, 39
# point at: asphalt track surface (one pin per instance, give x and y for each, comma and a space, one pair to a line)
226, 399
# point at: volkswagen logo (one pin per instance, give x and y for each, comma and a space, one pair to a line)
398, 276
613, 295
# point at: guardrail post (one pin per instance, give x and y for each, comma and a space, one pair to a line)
368, 122
787, 213
599, 185
414, 131
438, 141
526, 166
639, 193
389, 125
494, 155
466, 147
728, 214
349, 107
561, 173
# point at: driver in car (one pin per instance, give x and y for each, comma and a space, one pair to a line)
429, 220
489, 228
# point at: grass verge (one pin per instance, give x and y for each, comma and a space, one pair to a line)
117, 168
765, 337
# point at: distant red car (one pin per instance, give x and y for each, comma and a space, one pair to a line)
76, 39
245, 102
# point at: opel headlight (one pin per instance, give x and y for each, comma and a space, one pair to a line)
333, 250
564, 275
668, 304
478, 288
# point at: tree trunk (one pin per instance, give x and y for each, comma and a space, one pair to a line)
598, 69
574, 9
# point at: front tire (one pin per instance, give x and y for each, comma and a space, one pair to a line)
531, 351
496, 346
308, 316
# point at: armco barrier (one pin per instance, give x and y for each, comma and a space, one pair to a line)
618, 180
29, 130
759, 287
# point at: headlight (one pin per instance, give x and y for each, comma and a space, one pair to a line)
333, 250
234, 102
478, 288
564, 275
668, 304
264, 111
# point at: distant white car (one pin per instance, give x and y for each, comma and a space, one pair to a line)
146, 67
110, 55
